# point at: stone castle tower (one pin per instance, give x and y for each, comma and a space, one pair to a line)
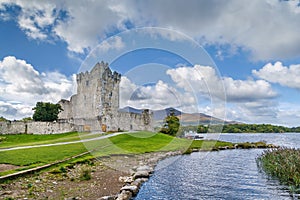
95, 107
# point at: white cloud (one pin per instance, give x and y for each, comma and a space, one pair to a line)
88, 23
262, 28
283, 75
20, 77
204, 80
286, 114
155, 97
21, 86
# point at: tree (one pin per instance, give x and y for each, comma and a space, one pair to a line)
26, 119
2, 119
46, 111
171, 125
202, 129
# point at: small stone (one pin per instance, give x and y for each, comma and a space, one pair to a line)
54, 182
132, 188
145, 168
124, 195
138, 182
107, 198
6, 193
141, 174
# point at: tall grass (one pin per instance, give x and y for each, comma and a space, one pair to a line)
282, 163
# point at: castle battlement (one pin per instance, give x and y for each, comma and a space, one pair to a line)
96, 104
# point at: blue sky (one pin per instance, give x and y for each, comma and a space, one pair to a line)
235, 59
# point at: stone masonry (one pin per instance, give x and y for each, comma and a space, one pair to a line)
95, 107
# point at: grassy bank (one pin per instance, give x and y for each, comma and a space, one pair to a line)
129, 143
7, 141
284, 164
132, 143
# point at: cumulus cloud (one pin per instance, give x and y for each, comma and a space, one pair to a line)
21, 86
155, 96
261, 28
278, 73
205, 80
280, 113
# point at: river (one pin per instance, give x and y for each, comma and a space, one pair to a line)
229, 174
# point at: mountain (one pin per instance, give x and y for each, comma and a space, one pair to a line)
131, 110
185, 118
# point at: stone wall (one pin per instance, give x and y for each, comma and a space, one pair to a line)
36, 127
95, 107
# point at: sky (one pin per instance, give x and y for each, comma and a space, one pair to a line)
236, 59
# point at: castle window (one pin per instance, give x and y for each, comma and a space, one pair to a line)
87, 83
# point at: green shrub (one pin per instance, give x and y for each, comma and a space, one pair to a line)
2, 138
282, 163
85, 175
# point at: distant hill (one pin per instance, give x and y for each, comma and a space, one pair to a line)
131, 110
185, 118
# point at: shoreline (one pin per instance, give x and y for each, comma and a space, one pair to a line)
141, 174
118, 176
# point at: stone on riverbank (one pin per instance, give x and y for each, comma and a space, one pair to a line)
124, 195
141, 174
132, 188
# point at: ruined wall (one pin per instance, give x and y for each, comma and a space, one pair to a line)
36, 127
133, 121
96, 104
67, 109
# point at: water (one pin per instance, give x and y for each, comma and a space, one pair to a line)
230, 174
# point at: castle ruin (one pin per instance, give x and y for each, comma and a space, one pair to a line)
95, 107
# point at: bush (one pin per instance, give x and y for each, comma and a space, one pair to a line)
85, 175
282, 163
2, 138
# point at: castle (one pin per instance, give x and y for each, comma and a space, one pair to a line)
95, 107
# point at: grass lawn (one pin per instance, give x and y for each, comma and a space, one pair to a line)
8, 141
131, 143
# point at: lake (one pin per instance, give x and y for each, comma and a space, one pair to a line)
229, 174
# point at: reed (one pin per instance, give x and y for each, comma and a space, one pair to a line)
282, 163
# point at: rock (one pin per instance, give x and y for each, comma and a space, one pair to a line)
141, 174
72, 198
145, 168
107, 198
126, 179
132, 188
138, 182
124, 195
6, 193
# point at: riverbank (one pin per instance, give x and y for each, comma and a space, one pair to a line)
94, 179
128, 162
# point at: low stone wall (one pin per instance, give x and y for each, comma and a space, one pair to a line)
12, 127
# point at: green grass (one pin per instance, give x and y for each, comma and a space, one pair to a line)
132, 143
40, 155
28, 139
284, 164
208, 144
143, 142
